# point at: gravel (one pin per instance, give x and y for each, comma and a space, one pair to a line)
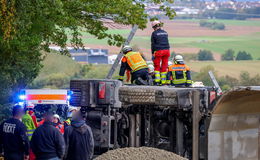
141, 153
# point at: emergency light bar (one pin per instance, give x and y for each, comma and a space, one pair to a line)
45, 96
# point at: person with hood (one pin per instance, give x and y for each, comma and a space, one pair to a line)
47, 142
78, 139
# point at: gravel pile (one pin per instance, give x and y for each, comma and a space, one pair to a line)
141, 153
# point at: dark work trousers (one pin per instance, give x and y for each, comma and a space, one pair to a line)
142, 73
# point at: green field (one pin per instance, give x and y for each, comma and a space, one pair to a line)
216, 44
231, 68
231, 22
55, 63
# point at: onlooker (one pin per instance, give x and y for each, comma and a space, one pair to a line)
57, 123
79, 139
13, 139
72, 110
47, 142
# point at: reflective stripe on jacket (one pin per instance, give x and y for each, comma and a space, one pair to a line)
28, 122
135, 61
180, 74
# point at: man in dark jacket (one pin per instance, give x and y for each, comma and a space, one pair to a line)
160, 51
79, 139
13, 139
47, 142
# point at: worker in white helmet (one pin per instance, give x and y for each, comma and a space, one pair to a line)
134, 62
179, 73
160, 51
70, 113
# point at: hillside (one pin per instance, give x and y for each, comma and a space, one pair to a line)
55, 63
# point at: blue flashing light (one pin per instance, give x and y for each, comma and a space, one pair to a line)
21, 103
22, 97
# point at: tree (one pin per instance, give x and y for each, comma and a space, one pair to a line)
229, 55
243, 55
27, 27
205, 55
203, 75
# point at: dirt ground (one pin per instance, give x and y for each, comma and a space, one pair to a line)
141, 153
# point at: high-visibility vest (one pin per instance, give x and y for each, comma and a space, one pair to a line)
179, 70
67, 122
135, 61
28, 122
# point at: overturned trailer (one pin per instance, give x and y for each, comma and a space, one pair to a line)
174, 119
234, 128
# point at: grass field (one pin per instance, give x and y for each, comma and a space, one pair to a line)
240, 36
232, 22
231, 68
55, 63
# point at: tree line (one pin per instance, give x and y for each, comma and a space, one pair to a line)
229, 55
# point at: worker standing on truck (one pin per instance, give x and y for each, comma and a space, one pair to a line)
79, 131
179, 73
13, 139
136, 64
160, 52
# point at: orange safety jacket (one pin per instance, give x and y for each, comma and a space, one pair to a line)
179, 74
132, 61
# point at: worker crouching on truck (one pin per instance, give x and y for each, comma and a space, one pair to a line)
136, 64
179, 73
160, 52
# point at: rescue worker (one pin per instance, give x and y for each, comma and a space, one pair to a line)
30, 107
57, 123
13, 139
47, 142
160, 52
179, 73
79, 131
136, 64
69, 116
28, 121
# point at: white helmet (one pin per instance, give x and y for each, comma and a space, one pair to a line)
155, 23
127, 49
151, 68
56, 116
71, 109
178, 58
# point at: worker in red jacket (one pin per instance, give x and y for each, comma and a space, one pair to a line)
57, 123
161, 52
